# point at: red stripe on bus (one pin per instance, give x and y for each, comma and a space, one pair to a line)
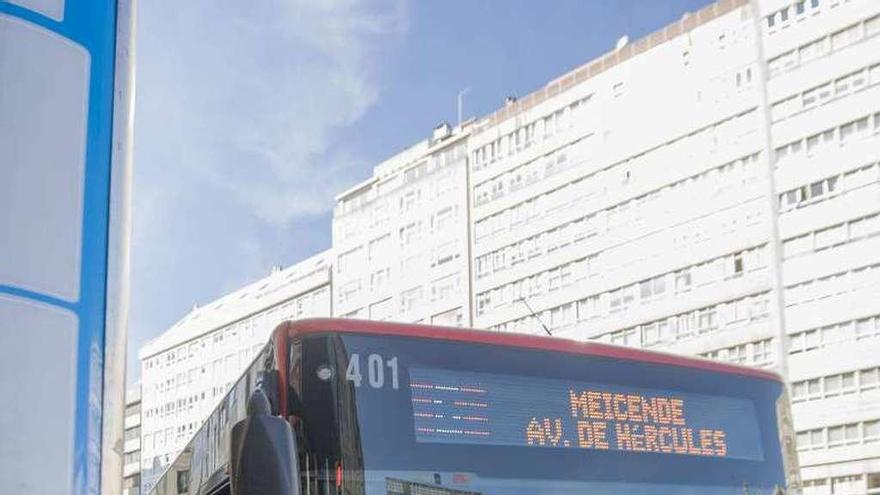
536, 342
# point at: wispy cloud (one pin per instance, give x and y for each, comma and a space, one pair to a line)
254, 90
238, 106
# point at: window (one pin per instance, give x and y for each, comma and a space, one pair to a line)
793, 198
762, 352
813, 143
737, 354
872, 26
549, 125
628, 337
817, 438
378, 246
683, 280
810, 439
349, 260
847, 485
866, 327
483, 301
445, 287
654, 333
738, 263
452, 318
782, 63
798, 245
860, 178
869, 378
831, 236
816, 96
350, 291
833, 385
562, 316
798, 391
848, 382
379, 279
415, 173
588, 308
803, 440
851, 433
560, 277
872, 434
409, 233
410, 299
652, 288
381, 310
443, 218
409, 200
845, 83
621, 298
845, 37
812, 51
815, 487
445, 253
846, 132
785, 108
706, 320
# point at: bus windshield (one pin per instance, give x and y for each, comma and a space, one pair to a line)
401, 415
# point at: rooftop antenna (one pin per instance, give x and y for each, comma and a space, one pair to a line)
535, 315
460, 100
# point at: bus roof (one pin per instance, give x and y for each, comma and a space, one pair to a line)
555, 344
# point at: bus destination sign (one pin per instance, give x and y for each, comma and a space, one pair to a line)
478, 408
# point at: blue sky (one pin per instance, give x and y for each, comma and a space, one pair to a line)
251, 116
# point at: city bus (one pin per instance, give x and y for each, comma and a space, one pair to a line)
336, 406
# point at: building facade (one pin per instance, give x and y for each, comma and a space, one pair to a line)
823, 89
401, 237
711, 189
131, 458
188, 369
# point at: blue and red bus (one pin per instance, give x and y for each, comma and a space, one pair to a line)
333, 406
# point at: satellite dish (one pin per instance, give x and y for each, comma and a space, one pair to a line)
621, 42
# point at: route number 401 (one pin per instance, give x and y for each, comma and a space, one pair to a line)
376, 367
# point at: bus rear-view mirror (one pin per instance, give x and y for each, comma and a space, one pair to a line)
262, 454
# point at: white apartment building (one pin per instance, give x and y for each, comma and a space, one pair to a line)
632, 201
131, 447
401, 237
187, 369
824, 93
628, 200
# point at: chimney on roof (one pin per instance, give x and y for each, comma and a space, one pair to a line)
275, 269
510, 100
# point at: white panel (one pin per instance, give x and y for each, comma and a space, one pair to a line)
53, 9
37, 379
44, 81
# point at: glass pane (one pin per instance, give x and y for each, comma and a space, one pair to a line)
835, 434
869, 378
872, 429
